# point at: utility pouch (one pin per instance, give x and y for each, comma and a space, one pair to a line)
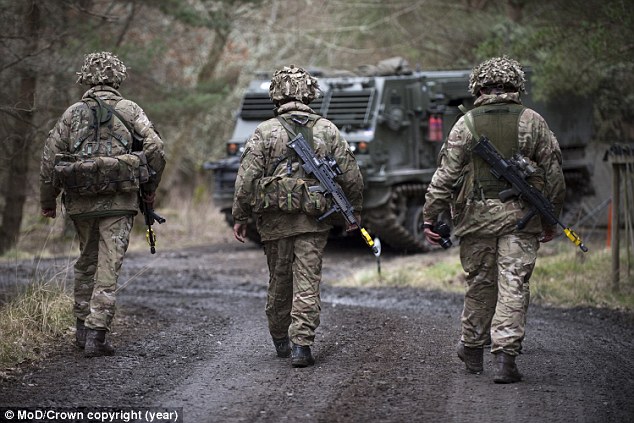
145, 172
277, 194
62, 169
101, 175
265, 199
288, 195
314, 201
463, 187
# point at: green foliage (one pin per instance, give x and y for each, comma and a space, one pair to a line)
569, 46
585, 49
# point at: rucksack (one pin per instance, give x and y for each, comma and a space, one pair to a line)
101, 161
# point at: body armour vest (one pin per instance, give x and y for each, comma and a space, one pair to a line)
499, 123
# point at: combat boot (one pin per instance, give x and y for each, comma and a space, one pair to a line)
80, 333
505, 369
473, 358
301, 356
283, 347
96, 344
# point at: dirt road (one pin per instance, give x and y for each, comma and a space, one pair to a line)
191, 333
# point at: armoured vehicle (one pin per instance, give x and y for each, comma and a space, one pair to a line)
395, 124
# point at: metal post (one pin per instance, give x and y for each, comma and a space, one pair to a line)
616, 224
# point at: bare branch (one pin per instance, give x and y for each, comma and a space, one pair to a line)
104, 16
27, 56
128, 22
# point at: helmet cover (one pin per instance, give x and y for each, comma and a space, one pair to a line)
497, 71
292, 83
102, 68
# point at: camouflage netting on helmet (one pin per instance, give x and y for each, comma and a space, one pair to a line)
497, 71
291, 83
103, 68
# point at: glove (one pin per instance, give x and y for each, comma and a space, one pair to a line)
148, 198
50, 213
548, 233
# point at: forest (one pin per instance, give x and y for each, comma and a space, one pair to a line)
190, 60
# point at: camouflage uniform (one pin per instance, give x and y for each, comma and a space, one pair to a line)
293, 242
103, 222
497, 257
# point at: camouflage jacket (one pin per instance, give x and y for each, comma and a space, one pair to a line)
72, 126
451, 187
269, 142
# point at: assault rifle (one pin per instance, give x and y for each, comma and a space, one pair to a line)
325, 170
515, 171
150, 217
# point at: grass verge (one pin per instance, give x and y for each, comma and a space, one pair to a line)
562, 277
32, 320
570, 278
433, 271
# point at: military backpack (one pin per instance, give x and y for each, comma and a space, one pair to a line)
100, 161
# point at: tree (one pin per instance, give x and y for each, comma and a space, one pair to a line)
19, 139
583, 49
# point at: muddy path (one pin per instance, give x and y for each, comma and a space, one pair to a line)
191, 332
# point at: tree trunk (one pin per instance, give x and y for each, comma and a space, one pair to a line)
18, 143
515, 10
208, 70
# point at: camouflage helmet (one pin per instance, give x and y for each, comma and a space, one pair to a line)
497, 71
102, 68
291, 83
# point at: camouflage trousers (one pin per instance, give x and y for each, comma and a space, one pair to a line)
497, 292
103, 242
293, 302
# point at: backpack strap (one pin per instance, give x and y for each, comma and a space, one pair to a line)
300, 123
468, 120
137, 145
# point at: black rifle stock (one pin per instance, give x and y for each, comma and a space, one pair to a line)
325, 170
511, 170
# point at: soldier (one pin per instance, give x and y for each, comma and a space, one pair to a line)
497, 257
272, 184
97, 155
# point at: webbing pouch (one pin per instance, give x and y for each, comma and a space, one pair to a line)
288, 195
100, 175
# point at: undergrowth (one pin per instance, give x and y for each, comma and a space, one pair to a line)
33, 319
